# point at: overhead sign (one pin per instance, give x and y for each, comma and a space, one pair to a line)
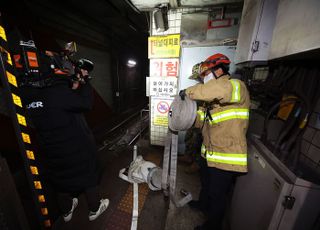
163, 86
168, 67
164, 46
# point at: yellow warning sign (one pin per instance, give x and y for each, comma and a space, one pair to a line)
9, 60
164, 46
16, 100
34, 170
12, 79
160, 120
47, 223
3, 33
44, 211
161, 108
8, 56
26, 138
30, 155
21, 120
41, 199
37, 184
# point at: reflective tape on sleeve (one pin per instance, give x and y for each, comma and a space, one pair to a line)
235, 91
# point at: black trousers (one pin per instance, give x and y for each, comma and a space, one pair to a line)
92, 196
215, 190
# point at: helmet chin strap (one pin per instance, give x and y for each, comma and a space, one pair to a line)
215, 76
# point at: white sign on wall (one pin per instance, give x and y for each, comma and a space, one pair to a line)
168, 67
163, 86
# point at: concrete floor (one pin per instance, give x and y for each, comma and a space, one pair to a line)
185, 217
155, 212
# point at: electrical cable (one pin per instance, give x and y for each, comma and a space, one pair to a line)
298, 120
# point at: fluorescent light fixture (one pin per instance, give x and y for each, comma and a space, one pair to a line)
131, 63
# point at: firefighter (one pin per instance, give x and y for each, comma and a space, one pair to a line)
193, 141
193, 137
55, 105
224, 122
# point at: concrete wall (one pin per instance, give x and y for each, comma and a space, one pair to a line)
248, 27
225, 32
310, 148
102, 80
297, 27
195, 31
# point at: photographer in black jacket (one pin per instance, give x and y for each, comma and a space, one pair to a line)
55, 105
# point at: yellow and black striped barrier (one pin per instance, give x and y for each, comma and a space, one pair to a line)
15, 105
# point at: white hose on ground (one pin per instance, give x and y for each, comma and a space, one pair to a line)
135, 209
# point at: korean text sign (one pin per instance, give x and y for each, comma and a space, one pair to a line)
164, 46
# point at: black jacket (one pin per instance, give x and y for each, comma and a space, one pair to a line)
65, 139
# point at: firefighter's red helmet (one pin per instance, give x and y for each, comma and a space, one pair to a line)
212, 61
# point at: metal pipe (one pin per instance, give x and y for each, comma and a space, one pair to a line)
141, 129
223, 12
121, 123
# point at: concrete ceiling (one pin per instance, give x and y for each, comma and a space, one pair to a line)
148, 5
99, 22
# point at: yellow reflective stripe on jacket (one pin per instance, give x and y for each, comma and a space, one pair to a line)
227, 158
230, 114
201, 114
235, 91
203, 150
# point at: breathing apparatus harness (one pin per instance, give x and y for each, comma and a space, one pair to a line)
208, 106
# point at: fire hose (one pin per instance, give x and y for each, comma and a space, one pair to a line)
181, 117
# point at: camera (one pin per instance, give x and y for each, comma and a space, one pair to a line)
43, 69
84, 64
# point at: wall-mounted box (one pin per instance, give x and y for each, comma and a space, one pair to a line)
256, 29
272, 197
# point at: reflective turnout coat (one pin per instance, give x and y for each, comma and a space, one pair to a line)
224, 122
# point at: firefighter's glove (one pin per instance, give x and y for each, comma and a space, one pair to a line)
182, 94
